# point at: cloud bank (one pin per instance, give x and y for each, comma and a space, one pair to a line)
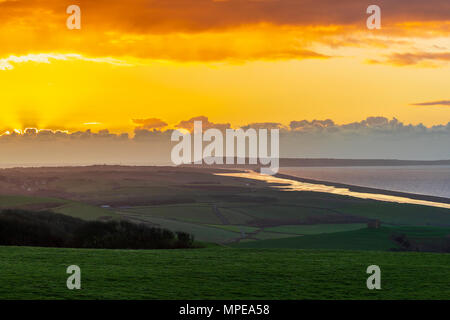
374, 138
212, 31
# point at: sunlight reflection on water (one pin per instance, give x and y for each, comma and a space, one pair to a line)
293, 185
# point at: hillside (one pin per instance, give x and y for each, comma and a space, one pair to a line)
218, 209
361, 239
289, 236
221, 273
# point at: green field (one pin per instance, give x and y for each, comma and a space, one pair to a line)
201, 232
317, 228
236, 228
262, 243
17, 201
362, 239
221, 273
213, 208
85, 211
198, 213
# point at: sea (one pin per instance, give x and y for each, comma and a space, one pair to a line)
424, 180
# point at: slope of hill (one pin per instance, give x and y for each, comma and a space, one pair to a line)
213, 208
221, 273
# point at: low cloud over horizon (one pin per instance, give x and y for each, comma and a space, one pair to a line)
374, 138
160, 125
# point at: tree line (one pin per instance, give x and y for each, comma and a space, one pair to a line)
48, 229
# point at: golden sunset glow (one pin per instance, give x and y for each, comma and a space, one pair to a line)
146, 59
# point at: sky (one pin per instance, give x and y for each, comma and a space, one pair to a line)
234, 61
138, 69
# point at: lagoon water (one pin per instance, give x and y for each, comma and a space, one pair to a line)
294, 185
426, 180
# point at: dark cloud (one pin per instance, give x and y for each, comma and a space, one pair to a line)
198, 15
156, 16
433, 103
200, 30
206, 124
407, 59
263, 125
151, 123
305, 124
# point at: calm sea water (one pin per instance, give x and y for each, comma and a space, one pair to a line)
427, 180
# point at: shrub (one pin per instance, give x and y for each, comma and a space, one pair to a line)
185, 240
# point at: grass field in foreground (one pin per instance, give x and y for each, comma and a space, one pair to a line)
221, 273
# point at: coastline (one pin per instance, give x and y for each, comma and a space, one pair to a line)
288, 183
361, 189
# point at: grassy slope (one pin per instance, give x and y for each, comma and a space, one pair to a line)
9, 201
221, 273
220, 201
317, 228
201, 232
85, 211
197, 213
364, 239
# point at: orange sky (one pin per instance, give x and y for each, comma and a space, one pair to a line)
236, 61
